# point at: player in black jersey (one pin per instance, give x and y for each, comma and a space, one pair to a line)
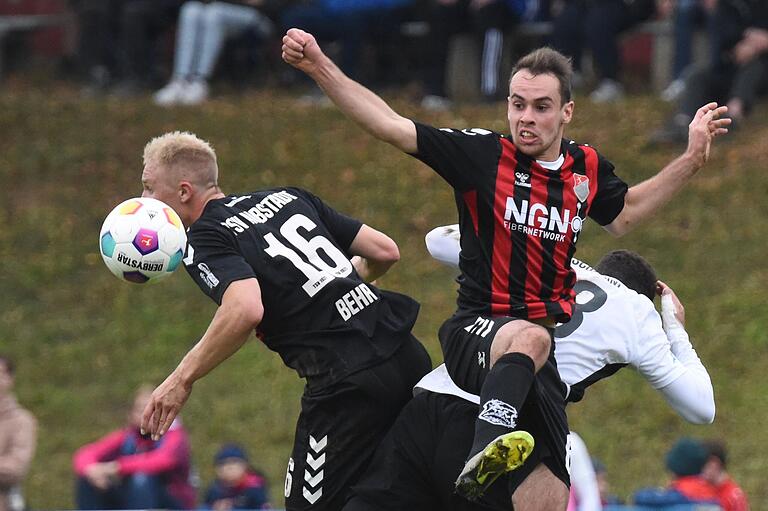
522, 201
283, 263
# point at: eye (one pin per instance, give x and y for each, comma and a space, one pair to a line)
542, 108
517, 105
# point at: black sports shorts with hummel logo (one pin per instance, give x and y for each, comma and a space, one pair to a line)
340, 427
466, 342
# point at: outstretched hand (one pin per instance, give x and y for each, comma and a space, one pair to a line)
163, 407
707, 124
671, 305
301, 50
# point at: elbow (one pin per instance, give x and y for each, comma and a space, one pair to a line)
704, 414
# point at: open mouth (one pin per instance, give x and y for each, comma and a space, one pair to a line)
527, 136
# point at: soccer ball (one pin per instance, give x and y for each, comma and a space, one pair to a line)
142, 240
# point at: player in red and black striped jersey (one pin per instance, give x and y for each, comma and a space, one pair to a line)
522, 200
283, 263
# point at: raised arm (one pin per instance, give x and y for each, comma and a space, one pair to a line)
238, 315
644, 199
375, 253
361, 105
691, 395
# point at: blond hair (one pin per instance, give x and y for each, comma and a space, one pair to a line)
186, 156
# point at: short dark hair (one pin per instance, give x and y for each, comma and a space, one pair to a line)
548, 61
4, 359
716, 448
631, 269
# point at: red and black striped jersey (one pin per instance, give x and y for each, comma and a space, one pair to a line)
519, 221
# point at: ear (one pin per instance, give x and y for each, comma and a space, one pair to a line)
566, 113
186, 191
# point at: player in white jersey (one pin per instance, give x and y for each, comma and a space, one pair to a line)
614, 325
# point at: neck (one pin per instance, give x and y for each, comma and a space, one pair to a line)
197, 209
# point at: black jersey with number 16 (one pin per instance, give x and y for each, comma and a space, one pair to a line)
319, 315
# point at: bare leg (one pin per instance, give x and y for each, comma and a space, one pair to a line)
541, 491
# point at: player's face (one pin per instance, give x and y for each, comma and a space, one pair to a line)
537, 116
157, 185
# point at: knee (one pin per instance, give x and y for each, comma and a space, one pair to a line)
527, 338
191, 12
214, 15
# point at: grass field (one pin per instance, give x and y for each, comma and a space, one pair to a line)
84, 341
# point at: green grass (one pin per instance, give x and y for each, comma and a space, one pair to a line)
85, 341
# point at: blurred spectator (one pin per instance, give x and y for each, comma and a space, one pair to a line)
685, 461
598, 25
738, 71
348, 22
487, 19
237, 484
729, 495
585, 494
18, 437
119, 41
603, 486
687, 16
124, 470
200, 36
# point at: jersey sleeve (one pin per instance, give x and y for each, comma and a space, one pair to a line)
458, 156
652, 355
611, 189
343, 228
213, 261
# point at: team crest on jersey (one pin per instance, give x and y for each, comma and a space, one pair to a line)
499, 413
581, 187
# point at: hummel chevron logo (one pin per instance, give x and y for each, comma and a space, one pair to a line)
313, 481
318, 446
315, 463
312, 497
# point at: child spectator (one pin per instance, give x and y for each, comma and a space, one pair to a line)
237, 484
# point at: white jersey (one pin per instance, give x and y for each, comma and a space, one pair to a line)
612, 327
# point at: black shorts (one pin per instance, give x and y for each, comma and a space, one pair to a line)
466, 343
417, 463
340, 427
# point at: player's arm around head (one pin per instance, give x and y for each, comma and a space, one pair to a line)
240, 312
300, 49
375, 253
644, 199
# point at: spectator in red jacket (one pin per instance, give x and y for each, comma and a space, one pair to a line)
729, 495
124, 470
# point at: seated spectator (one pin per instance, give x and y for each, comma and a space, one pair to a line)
738, 73
348, 22
687, 16
200, 36
237, 484
598, 24
125, 470
729, 495
487, 20
18, 437
118, 42
685, 461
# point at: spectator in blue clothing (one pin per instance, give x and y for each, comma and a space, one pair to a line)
348, 22
237, 484
487, 20
597, 24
